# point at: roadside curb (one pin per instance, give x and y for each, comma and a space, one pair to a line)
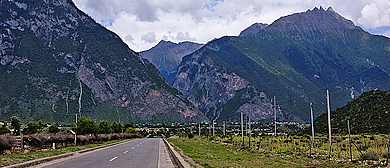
176, 158
50, 158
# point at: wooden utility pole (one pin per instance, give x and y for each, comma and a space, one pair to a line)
330, 132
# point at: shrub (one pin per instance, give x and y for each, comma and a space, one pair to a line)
369, 155
53, 129
190, 135
15, 124
102, 137
104, 127
32, 128
4, 130
6, 143
130, 130
117, 127
86, 126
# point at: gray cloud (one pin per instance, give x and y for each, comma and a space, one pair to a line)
184, 37
150, 37
129, 38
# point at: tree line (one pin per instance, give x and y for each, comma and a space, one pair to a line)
83, 126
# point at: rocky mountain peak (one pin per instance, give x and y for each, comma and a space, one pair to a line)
317, 19
166, 56
164, 44
253, 29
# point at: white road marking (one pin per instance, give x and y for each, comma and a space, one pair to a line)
113, 159
125, 151
132, 148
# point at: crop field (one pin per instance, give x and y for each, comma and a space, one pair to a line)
287, 151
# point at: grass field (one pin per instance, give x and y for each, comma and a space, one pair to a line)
270, 151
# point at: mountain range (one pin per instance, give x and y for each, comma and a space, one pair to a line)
296, 59
56, 62
166, 56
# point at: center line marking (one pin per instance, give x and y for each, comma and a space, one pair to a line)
125, 151
113, 159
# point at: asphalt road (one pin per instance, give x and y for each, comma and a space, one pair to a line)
139, 153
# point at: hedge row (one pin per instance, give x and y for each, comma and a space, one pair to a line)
6, 143
39, 141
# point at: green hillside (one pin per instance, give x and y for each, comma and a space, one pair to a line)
369, 113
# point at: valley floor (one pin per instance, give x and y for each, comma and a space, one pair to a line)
273, 152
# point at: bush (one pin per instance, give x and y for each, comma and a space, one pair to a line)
32, 128
53, 129
15, 124
369, 155
4, 130
104, 127
130, 130
117, 127
86, 126
190, 135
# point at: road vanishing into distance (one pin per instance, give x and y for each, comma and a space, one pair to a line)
138, 153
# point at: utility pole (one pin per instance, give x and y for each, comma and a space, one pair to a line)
330, 132
312, 122
275, 113
213, 129
249, 131
312, 127
242, 128
199, 130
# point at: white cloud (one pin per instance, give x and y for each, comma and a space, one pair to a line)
372, 16
149, 21
149, 37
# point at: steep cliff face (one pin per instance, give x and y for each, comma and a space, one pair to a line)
166, 56
296, 58
56, 61
220, 93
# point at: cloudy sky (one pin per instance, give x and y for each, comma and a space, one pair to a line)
143, 23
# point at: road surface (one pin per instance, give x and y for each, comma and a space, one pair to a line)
138, 153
